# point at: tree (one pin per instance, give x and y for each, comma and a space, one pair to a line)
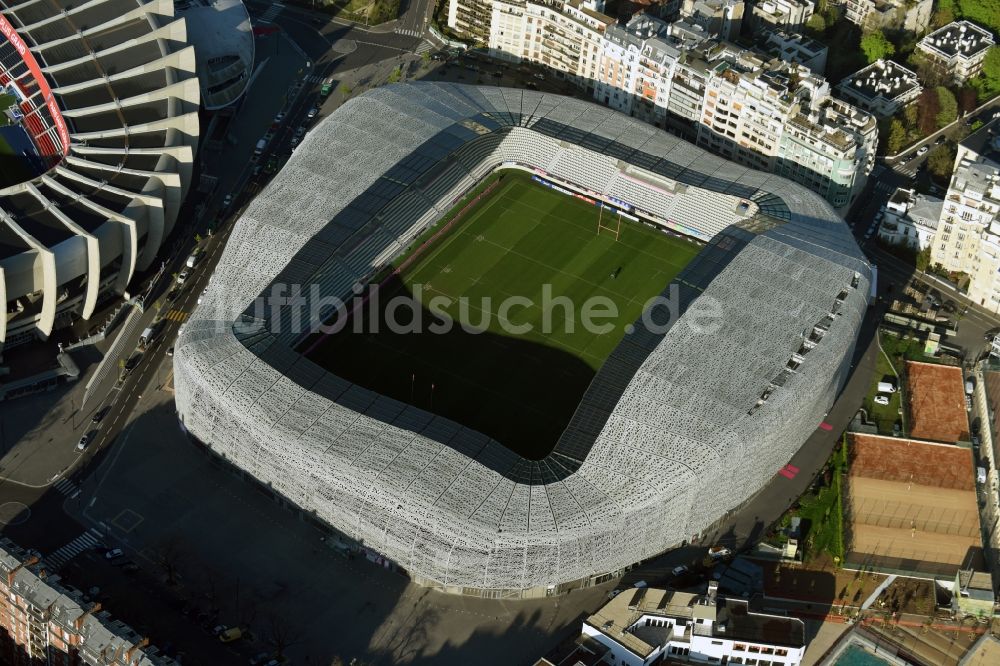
167, 555
928, 106
985, 12
897, 137
395, 75
940, 160
281, 634
948, 107
966, 99
816, 23
923, 259
345, 90
875, 46
991, 70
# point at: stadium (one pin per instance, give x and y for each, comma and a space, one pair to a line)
100, 101
673, 412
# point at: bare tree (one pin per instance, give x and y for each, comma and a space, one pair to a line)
281, 634
168, 556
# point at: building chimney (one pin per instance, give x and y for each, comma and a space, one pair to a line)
138, 646
78, 622
27, 563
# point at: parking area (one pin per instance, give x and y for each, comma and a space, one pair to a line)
231, 547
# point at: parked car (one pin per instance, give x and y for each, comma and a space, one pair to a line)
278, 119
182, 277
539, 76
679, 570
226, 200
230, 635
84, 441
719, 552
113, 553
170, 351
882, 400
130, 567
133, 361
923, 150
312, 113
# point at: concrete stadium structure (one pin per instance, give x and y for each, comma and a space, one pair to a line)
110, 95
681, 424
223, 42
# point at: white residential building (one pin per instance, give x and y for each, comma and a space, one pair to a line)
968, 238
796, 49
640, 627
790, 15
883, 87
957, 49
565, 36
908, 15
721, 18
910, 219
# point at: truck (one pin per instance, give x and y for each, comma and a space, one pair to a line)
970, 386
886, 387
261, 145
149, 334
719, 552
981, 475
327, 87
192, 261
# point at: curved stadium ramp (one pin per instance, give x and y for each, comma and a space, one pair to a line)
109, 95
676, 429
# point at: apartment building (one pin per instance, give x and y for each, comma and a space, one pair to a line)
45, 622
795, 49
566, 36
829, 147
968, 237
957, 50
471, 18
721, 18
909, 15
910, 219
640, 627
883, 88
779, 117
789, 15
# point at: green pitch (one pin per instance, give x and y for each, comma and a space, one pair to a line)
517, 378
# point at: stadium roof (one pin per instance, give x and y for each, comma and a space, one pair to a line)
680, 425
110, 96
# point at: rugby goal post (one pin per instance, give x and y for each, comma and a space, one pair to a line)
616, 229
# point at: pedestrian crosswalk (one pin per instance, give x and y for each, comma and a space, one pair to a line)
88, 539
272, 11
408, 32
313, 78
67, 488
177, 315
424, 47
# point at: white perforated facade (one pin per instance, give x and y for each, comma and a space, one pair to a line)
677, 428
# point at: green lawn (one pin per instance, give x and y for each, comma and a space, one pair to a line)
899, 350
522, 240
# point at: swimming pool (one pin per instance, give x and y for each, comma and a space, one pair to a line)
855, 655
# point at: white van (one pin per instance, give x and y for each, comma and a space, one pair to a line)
886, 387
192, 261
